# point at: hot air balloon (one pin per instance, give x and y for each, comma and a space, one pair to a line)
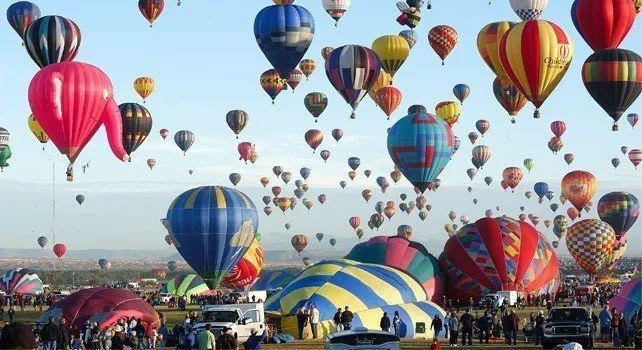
615, 162
315, 103
59, 250
472, 137
343, 62
36, 129
572, 213
313, 138
481, 155
164, 133
461, 92
151, 162
568, 158
560, 225
245, 150
354, 163
284, 34
511, 99
488, 180
420, 202
420, 145
449, 111
603, 24
144, 86
299, 242
529, 164
286, 176
496, 254
325, 154
80, 199
528, 9
305, 173
410, 36
579, 187
590, 242
168, 239
393, 51
624, 149
42, 241
555, 144
620, 210
355, 222
482, 126
377, 220
536, 75
237, 120
184, 139
235, 178
151, 9
384, 79
52, 39
388, 98
452, 216
20, 15
267, 210
336, 8
295, 78
277, 170
319, 236
71, 112
325, 52
442, 39
137, 124
488, 41
247, 269
104, 264
172, 265
307, 67
337, 134
635, 156
212, 227
333, 241
558, 128
265, 181
423, 215
366, 194
633, 119
614, 92
541, 188
284, 203
512, 176
272, 83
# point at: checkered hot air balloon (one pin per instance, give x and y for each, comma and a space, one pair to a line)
421, 145
442, 39
590, 242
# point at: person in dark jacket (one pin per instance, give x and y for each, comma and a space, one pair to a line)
483, 328
466, 321
140, 333
49, 335
301, 322
514, 325
64, 341
346, 318
385, 322
337, 320
540, 323
227, 341
436, 325
507, 326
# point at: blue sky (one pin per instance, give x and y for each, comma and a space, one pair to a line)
205, 61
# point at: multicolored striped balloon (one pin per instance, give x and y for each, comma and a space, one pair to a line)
590, 242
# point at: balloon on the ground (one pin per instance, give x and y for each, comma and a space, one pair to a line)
21, 281
185, 286
246, 270
629, 298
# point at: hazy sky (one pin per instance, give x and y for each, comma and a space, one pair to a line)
205, 61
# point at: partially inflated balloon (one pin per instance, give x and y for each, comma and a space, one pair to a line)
536, 55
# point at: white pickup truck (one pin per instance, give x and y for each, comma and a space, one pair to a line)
241, 318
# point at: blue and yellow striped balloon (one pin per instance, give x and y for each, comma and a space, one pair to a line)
212, 227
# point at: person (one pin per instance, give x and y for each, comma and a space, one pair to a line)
540, 323
337, 320
453, 324
49, 335
483, 328
466, 321
206, 339
140, 333
301, 322
95, 336
190, 339
118, 339
346, 318
615, 333
436, 325
11, 313
384, 323
594, 320
106, 339
622, 330
446, 326
254, 340
17, 336
164, 333
506, 325
605, 323
396, 322
64, 342
314, 321
227, 341
515, 325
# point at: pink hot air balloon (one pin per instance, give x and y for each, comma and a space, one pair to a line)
558, 128
635, 156
245, 151
71, 101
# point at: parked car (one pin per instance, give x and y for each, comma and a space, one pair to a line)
566, 325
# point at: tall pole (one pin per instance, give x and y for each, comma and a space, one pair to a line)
53, 201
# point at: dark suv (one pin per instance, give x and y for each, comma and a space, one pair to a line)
566, 325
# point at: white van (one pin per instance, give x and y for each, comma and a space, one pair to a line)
241, 318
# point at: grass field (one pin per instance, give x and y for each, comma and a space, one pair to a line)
177, 317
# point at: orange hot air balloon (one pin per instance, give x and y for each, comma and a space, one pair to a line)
579, 187
536, 55
265, 181
512, 176
384, 79
388, 98
144, 86
488, 41
313, 138
352, 175
283, 203
572, 213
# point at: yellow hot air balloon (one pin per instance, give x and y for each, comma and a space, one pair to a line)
393, 51
383, 80
36, 129
488, 41
536, 55
144, 86
449, 111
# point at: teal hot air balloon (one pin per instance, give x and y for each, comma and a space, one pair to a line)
421, 145
284, 34
461, 91
5, 154
80, 199
333, 241
184, 140
212, 227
